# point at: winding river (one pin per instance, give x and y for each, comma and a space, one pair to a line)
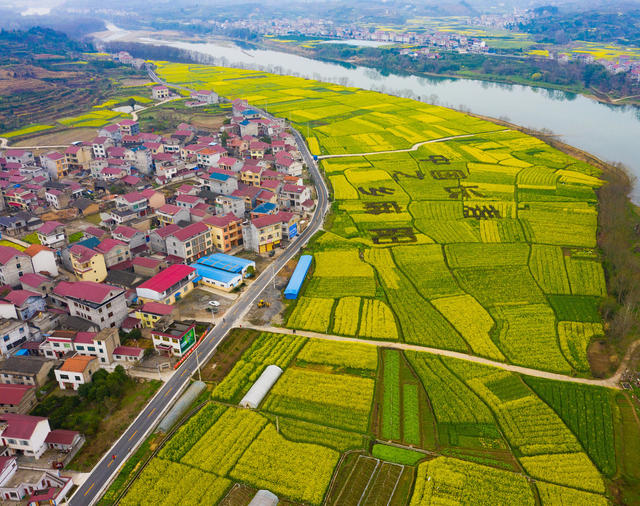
610, 132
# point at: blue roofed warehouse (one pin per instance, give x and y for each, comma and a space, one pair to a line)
297, 278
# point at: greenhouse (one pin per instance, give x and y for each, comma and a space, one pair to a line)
261, 387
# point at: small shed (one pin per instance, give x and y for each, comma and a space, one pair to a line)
261, 387
264, 498
297, 278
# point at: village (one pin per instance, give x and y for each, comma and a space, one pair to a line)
118, 254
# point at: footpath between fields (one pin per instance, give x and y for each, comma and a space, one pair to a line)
611, 382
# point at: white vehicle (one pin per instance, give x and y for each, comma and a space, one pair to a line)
214, 303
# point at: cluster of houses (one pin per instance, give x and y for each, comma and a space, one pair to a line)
109, 235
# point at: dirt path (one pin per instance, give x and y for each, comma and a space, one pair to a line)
412, 148
609, 382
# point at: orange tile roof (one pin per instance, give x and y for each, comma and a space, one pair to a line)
77, 364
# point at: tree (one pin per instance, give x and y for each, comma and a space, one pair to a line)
224, 137
132, 103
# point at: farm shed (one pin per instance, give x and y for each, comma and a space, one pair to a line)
297, 278
264, 498
261, 387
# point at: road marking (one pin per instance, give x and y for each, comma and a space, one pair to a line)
133, 435
108, 465
183, 373
89, 488
168, 391
151, 412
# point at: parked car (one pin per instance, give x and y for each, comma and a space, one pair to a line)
214, 303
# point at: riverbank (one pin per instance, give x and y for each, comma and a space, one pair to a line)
590, 93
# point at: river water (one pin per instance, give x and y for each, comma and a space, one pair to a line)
609, 132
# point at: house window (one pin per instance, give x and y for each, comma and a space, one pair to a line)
64, 376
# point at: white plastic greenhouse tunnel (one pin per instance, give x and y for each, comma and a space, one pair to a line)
261, 387
264, 498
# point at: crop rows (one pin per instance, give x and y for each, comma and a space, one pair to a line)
569, 469
348, 355
336, 400
221, 446
449, 481
311, 313
377, 320
298, 471
391, 395
168, 483
307, 432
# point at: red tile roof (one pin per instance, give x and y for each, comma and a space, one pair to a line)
34, 280
13, 394
221, 221
156, 308
169, 209
125, 231
87, 290
293, 188
82, 253
150, 263
49, 227
19, 297
79, 363
128, 351
166, 231
190, 231
167, 278
61, 437
132, 197
85, 337
95, 231
189, 199
7, 253
266, 220
19, 426
108, 244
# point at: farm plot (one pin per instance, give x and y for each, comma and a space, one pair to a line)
587, 412
166, 483
344, 356
223, 444
347, 316
575, 338
449, 481
586, 276
425, 266
332, 270
551, 494
377, 321
419, 320
306, 432
335, 400
299, 471
368, 481
547, 267
267, 349
311, 313
529, 425
569, 469
527, 336
472, 321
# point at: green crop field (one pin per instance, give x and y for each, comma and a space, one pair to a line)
483, 244
421, 427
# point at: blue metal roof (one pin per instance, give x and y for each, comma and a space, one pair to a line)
219, 177
227, 263
215, 274
265, 207
297, 278
90, 242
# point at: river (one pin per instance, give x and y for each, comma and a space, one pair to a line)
610, 132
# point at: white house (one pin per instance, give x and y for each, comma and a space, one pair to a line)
43, 259
76, 371
205, 96
13, 333
24, 434
51, 234
159, 92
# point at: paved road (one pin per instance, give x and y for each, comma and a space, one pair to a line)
108, 467
611, 382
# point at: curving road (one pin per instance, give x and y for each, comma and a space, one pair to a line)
107, 469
